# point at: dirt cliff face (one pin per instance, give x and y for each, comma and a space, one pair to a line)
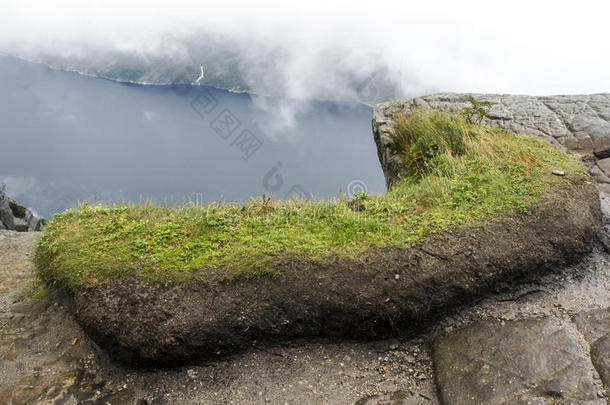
578, 124
370, 296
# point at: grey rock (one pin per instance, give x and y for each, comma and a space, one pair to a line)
579, 124
604, 188
516, 362
604, 165
600, 356
16, 217
595, 326
598, 175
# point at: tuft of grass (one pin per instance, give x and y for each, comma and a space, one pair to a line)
456, 172
428, 140
33, 289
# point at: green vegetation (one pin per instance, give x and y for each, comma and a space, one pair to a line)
476, 111
34, 289
17, 210
457, 172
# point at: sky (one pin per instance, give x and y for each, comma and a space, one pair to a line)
525, 47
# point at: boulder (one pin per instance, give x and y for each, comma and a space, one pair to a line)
16, 217
535, 361
578, 124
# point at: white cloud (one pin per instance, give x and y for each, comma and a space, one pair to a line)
17, 186
321, 49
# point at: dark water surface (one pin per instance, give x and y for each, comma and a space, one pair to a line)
65, 138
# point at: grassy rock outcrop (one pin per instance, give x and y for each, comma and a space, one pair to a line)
475, 206
576, 123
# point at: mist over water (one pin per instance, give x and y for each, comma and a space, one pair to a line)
323, 50
67, 137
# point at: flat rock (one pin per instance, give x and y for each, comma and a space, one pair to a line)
604, 164
595, 326
517, 362
600, 356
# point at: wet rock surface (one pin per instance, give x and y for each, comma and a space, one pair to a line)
537, 361
42, 358
595, 326
45, 357
556, 357
576, 123
600, 356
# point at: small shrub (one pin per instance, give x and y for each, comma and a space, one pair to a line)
357, 203
361, 196
40, 225
476, 112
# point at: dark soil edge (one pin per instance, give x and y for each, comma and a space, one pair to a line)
373, 296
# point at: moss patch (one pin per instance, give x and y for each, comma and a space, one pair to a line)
458, 172
17, 210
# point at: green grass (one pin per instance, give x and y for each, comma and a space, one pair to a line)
34, 289
457, 173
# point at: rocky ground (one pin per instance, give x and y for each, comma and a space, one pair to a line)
559, 320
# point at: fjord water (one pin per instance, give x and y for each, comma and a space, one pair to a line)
66, 138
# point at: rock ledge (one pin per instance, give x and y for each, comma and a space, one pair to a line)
579, 124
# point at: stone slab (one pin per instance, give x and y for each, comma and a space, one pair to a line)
518, 362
